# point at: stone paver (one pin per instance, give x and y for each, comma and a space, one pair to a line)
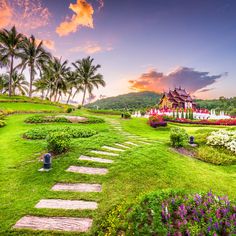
130, 143
113, 148
95, 159
105, 153
121, 145
54, 223
67, 204
143, 142
88, 170
77, 187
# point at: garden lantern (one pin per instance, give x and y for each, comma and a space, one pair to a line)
47, 161
191, 140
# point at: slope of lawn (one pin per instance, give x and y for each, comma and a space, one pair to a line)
27, 106
137, 171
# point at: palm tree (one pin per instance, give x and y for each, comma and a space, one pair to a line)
3, 83
10, 44
33, 56
57, 71
19, 83
86, 73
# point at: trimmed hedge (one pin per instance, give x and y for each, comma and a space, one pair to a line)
74, 132
45, 119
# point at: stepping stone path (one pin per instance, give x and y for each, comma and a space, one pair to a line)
54, 223
113, 149
95, 159
105, 153
66, 204
130, 143
121, 145
88, 170
77, 187
73, 224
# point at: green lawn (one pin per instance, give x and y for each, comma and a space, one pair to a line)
135, 172
21, 106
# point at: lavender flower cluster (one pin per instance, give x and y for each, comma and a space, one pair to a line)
197, 214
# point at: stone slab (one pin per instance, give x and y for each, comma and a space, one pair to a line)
143, 142
105, 153
121, 145
87, 170
95, 159
77, 187
113, 148
130, 143
66, 204
54, 223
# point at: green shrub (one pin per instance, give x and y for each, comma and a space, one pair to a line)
178, 137
69, 110
216, 155
94, 120
79, 107
201, 135
58, 142
2, 123
45, 119
74, 132
126, 115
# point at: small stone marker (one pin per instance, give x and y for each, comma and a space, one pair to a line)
95, 159
88, 170
105, 153
113, 149
130, 143
121, 145
78, 187
66, 204
54, 223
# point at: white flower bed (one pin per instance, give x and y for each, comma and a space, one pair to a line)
223, 138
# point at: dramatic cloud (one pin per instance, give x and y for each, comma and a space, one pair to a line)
185, 77
91, 48
83, 17
24, 14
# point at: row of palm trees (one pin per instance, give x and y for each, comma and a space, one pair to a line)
56, 77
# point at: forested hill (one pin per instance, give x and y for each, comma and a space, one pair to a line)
127, 101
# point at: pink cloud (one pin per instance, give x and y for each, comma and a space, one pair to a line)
82, 17
91, 48
48, 43
24, 14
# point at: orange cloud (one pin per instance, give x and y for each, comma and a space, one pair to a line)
83, 17
48, 43
6, 14
185, 77
91, 48
24, 14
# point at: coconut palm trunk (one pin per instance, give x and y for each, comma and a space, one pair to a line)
31, 80
70, 94
10, 76
85, 90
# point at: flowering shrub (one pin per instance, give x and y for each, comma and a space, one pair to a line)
156, 120
197, 214
223, 138
172, 213
178, 137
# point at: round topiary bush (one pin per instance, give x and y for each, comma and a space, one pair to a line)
58, 142
178, 137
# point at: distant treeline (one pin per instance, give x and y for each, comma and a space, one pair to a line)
144, 100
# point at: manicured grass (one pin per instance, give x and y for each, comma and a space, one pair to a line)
135, 172
21, 106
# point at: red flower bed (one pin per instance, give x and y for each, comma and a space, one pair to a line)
206, 122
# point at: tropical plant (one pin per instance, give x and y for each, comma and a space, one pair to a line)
10, 44
3, 83
86, 73
33, 56
19, 83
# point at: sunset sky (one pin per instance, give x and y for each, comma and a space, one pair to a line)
141, 45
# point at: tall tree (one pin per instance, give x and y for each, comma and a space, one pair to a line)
10, 44
86, 73
33, 56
